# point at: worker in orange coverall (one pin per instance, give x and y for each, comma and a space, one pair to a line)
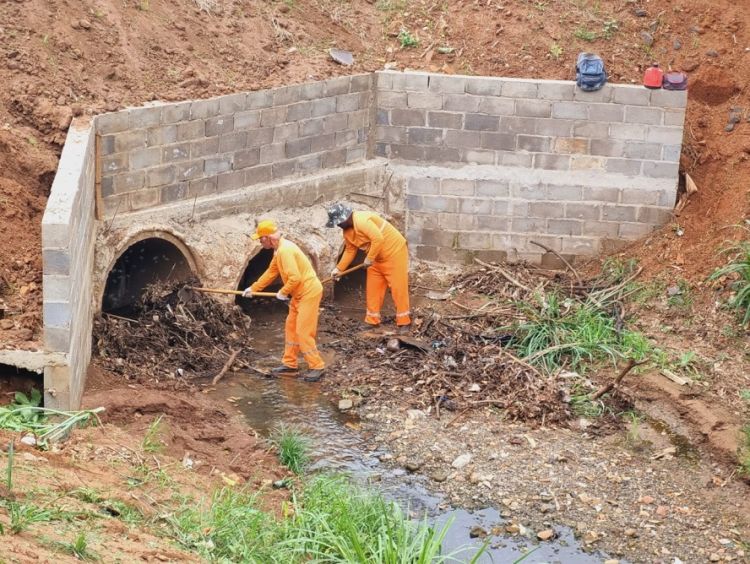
302, 286
387, 260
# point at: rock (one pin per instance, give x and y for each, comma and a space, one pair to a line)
345, 404
712, 53
677, 44
6, 324
612, 561
647, 38
477, 532
28, 440
342, 57
280, 484
85, 24
662, 511
545, 535
512, 529
474, 387
461, 461
413, 465
714, 557
393, 345
590, 537
647, 499
415, 414
631, 533
439, 476
690, 66
640, 13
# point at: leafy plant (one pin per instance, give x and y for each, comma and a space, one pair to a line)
609, 28
294, 447
739, 266
555, 51
406, 39
23, 515
79, 548
745, 395
682, 298
585, 34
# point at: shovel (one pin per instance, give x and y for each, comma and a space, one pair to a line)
186, 292
344, 273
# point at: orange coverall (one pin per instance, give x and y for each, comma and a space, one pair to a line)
386, 247
301, 283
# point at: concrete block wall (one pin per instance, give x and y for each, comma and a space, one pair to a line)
528, 160
178, 151
68, 238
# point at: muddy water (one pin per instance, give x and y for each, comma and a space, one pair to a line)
338, 445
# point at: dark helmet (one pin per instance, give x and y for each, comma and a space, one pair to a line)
338, 213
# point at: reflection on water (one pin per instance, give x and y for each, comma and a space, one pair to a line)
339, 446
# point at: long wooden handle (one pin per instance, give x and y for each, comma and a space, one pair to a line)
344, 273
233, 292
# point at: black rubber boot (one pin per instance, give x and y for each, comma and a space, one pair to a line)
283, 369
313, 375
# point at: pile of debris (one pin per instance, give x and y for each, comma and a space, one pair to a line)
174, 334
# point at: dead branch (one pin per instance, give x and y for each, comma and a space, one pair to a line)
226, 367
627, 368
504, 274
558, 255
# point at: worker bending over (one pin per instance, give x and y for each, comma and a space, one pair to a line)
302, 285
387, 260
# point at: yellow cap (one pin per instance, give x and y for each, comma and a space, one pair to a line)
265, 228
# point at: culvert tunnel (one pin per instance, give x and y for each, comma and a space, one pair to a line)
14, 379
256, 266
146, 262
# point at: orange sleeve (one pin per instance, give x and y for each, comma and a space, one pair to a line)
350, 251
271, 273
291, 269
374, 235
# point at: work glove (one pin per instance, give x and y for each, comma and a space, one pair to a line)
247, 293
282, 297
367, 262
335, 273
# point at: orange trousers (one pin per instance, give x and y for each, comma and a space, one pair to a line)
301, 328
393, 273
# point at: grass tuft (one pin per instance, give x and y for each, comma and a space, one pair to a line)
294, 447
738, 267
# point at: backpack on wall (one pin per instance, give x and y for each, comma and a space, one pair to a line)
675, 80
590, 73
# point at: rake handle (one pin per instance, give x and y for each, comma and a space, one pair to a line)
233, 292
344, 273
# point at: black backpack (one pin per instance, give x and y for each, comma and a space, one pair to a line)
590, 73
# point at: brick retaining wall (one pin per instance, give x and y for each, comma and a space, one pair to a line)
172, 152
528, 160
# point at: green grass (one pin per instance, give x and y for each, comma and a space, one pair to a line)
738, 267
79, 548
332, 521
151, 441
406, 39
585, 34
555, 51
560, 332
294, 447
24, 514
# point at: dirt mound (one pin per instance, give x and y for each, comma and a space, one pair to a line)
714, 87
173, 334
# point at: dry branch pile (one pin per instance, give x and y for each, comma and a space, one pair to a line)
172, 338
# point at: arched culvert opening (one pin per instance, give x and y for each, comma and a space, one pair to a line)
145, 262
349, 291
14, 379
255, 307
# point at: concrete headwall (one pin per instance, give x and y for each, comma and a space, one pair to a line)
179, 151
513, 160
68, 237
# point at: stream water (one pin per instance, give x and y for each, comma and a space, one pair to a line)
339, 446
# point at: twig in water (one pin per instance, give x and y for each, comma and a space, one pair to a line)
226, 367
558, 255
